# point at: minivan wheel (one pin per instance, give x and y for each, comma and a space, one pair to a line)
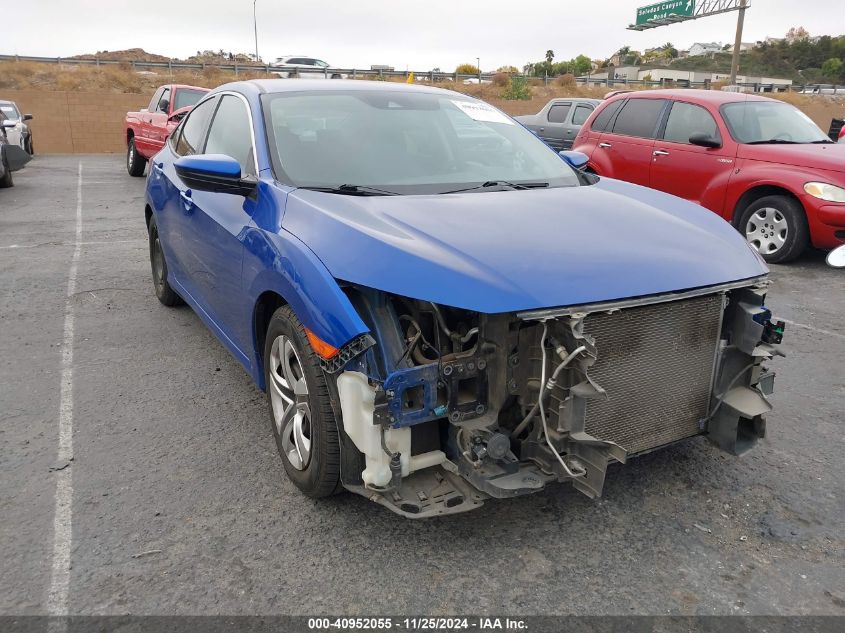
301, 415
777, 227
163, 290
135, 163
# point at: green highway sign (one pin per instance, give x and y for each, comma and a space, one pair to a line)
662, 10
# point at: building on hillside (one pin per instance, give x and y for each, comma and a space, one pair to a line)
704, 48
745, 46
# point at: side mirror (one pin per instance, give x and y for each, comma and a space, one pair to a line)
27, 117
704, 140
576, 160
217, 173
178, 115
836, 257
164, 106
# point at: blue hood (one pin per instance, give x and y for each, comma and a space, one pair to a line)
504, 251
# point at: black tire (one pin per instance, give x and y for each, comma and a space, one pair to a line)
320, 476
163, 291
6, 181
797, 234
29, 146
135, 163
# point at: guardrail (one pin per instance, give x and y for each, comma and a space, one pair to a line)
430, 75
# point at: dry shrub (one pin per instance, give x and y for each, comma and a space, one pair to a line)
501, 79
566, 81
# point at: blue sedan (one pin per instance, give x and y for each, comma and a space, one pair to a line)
440, 308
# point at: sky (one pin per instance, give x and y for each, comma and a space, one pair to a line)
406, 34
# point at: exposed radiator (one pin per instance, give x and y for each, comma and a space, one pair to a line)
656, 364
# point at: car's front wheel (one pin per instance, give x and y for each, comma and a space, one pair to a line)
135, 163
163, 291
29, 148
301, 415
777, 227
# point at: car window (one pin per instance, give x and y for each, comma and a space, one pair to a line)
10, 111
193, 128
164, 101
404, 142
558, 112
186, 97
297, 60
581, 114
154, 101
606, 114
230, 133
767, 121
639, 117
686, 119
321, 63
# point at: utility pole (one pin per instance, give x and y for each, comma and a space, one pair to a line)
478, 66
255, 27
738, 41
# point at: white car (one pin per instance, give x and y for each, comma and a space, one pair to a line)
301, 66
20, 134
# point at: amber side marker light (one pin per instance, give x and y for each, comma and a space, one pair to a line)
320, 347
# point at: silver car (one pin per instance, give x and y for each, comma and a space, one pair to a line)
559, 121
19, 134
301, 66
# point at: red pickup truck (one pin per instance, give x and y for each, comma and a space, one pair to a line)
148, 129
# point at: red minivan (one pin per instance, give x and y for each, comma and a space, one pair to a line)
759, 163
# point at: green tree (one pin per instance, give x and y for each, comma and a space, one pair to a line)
550, 56
832, 68
581, 65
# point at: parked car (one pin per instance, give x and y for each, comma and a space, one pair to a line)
20, 134
148, 129
436, 322
761, 164
559, 120
301, 66
12, 156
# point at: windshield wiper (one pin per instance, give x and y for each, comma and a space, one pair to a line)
773, 141
824, 141
354, 190
501, 183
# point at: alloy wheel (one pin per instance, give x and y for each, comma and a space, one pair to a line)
766, 230
289, 401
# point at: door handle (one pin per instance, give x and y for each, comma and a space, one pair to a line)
660, 152
187, 200
542, 129
157, 168
605, 145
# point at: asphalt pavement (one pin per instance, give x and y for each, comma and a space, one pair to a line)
180, 505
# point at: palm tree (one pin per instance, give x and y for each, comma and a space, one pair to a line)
550, 55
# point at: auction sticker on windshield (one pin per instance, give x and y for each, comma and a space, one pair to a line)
482, 112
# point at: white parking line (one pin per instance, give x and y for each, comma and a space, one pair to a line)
57, 599
813, 328
94, 243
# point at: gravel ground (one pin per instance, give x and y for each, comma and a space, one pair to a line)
173, 455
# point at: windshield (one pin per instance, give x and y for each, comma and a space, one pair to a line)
186, 97
404, 142
10, 111
769, 121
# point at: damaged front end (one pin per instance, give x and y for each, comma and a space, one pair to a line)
442, 408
